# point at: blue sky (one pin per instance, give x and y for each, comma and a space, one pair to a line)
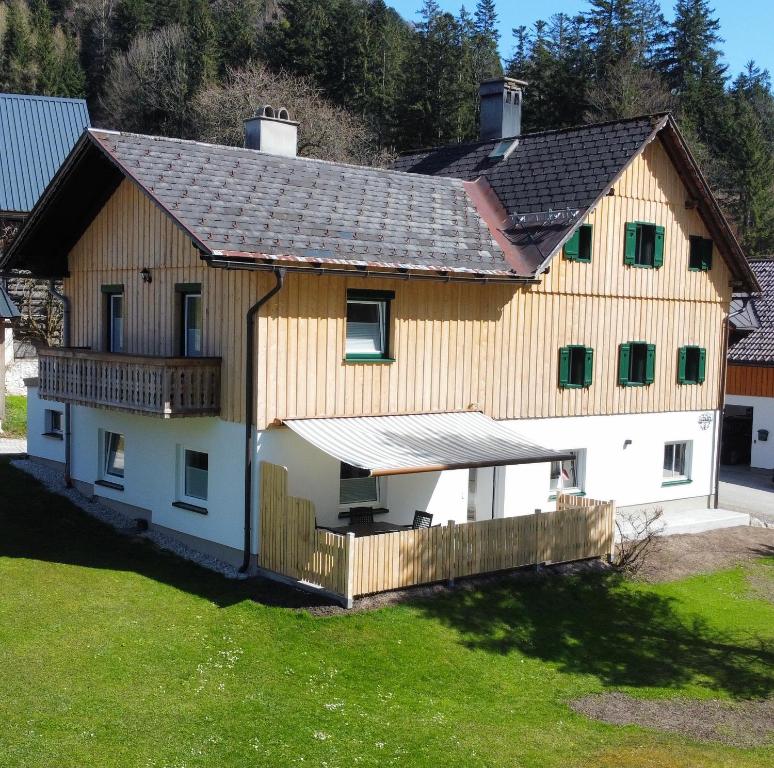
746, 25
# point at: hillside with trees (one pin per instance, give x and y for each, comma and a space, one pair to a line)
365, 82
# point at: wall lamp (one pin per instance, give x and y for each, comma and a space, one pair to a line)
627, 443
146, 275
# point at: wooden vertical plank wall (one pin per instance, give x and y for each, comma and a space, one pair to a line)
457, 346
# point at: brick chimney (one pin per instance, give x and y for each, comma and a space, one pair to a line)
272, 131
500, 116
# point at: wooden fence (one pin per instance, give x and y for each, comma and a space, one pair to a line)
291, 545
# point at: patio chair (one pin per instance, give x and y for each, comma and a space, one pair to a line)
361, 516
422, 519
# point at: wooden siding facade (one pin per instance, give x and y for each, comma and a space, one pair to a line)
456, 346
750, 380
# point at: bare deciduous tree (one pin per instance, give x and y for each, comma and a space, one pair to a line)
629, 90
326, 132
638, 538
146, 89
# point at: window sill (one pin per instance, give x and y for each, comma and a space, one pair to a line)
690, 383
634, 384
52, 435
643, 266
189, 507
574, 386
383, 360
576, 260
109, 484
680, 481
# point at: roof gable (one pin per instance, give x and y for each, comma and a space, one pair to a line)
36, 134
550, 180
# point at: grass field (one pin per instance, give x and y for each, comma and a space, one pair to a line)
15, 421
113, 654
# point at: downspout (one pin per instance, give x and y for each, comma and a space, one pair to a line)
721, 405
67, 408
279, 274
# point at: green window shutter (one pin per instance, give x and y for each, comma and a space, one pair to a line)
706, 255
564, 366
681, 361
630, 243
702, 365
624, 359
588, 369
650, 364
572, 247
658, 254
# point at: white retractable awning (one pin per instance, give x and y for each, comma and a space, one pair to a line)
425, 442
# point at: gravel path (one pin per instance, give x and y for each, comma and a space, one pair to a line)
53, 481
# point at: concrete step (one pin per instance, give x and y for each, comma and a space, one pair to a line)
694, 521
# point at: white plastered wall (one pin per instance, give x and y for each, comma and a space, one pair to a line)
762, 453
629, 474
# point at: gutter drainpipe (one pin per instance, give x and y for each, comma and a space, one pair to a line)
67, 408
279, 274
721, 406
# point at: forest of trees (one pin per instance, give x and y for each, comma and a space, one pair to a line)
364, 82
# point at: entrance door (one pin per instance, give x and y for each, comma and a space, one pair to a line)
737, 435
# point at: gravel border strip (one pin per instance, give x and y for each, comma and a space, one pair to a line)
53, 481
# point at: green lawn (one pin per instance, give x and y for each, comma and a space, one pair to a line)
113, 654
15, 421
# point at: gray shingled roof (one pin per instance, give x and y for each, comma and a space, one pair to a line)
546, 171
758, 345
242, 203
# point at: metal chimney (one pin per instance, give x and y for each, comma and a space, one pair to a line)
500, 108
272, 131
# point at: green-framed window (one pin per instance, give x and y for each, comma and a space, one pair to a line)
368, 325
691, 365
699, 254
644, 245
636, 364
578, 247
576, 366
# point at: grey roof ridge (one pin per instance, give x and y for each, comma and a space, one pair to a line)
450, 181
545, 132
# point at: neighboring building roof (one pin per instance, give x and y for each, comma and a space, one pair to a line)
36, 135
563, 174
242, 204
8, 309
757, 347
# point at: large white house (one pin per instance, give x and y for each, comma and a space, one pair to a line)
466, 335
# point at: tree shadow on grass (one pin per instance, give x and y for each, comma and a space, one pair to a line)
598, 624
39, 525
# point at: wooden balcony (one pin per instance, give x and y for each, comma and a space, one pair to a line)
155, 386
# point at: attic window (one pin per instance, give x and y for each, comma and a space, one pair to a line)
503, 149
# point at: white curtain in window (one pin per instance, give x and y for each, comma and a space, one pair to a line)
365, 323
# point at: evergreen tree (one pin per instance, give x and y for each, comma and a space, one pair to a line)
649, 31
46, 58
237, 25
16, 72
517, 64
72, 78
486, 59
130, 19
201, 53
693, 71
610, 26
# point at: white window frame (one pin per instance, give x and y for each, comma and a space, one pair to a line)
186, 351
182, 496
112, 346
687, 462
104, 457
362, 503
580, 475
50, 430
382, 353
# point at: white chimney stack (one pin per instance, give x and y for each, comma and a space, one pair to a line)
272, 131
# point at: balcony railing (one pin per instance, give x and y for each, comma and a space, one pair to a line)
155, 386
